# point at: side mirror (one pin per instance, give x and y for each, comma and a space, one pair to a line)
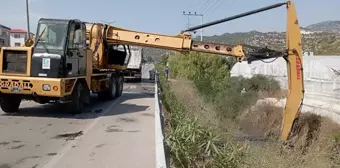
69, 53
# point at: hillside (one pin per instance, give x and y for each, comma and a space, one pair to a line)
328, 26
321, 38
321, 43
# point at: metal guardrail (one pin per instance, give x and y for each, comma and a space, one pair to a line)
162, 152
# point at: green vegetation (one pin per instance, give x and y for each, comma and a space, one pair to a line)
208, 117
211, 76
193, 145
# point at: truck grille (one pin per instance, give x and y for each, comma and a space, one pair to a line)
14, 61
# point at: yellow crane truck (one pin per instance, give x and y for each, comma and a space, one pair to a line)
70, 58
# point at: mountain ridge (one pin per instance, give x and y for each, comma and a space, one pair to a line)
322, 38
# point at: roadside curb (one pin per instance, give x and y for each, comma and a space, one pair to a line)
161, 157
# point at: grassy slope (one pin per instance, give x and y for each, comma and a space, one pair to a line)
211, 96
192, 144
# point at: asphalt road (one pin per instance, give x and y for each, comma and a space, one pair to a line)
119, 133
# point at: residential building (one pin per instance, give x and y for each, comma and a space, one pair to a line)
18, 37
4, 35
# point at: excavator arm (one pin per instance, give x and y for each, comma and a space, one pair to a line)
295, 72
100, 35
292, 56
181, 43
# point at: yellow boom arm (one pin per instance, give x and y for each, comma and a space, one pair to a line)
295, 72
98, 34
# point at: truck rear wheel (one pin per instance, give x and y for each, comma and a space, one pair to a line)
109, 93
120, 86
77, 104
10, 104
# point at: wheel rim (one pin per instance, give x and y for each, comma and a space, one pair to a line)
113, 88
80, 104
121, 85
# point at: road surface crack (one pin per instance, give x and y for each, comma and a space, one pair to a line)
17, 147
69, 136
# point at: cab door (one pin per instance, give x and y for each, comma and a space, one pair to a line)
76, 47
82, 49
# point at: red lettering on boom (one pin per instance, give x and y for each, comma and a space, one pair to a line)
298, 68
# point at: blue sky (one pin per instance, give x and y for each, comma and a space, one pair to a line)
161, 16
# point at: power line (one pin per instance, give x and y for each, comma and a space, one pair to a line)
194, 14
221, 4
206, 5
211, 7
218, 5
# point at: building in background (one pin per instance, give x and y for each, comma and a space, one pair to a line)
4, 36
18, 37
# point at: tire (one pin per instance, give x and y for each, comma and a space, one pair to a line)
109, 93
77, 104
10, 104
120, 86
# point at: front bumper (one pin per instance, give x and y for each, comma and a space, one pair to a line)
52, 87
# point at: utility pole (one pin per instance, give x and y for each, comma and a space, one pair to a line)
194, 14
28, 21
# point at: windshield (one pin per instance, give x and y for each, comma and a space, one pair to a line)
52, 35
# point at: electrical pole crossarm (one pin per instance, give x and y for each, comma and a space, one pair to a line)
195, 14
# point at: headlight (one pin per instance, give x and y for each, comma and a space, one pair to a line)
46, 87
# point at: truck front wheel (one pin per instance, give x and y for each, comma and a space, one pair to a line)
77, 104
10, 104
120, 86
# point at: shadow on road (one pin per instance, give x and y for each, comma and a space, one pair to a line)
96, 109
148, 81
144, 80
131, 81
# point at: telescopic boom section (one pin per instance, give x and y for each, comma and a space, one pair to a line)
182, 42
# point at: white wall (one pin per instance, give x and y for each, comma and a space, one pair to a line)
20, 40
322, 84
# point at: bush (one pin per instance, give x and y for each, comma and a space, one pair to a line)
230, 103
192, 145
211, 75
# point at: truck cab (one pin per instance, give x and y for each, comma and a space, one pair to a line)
60, 49
60, 67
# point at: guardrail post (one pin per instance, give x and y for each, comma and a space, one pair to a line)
162, 150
